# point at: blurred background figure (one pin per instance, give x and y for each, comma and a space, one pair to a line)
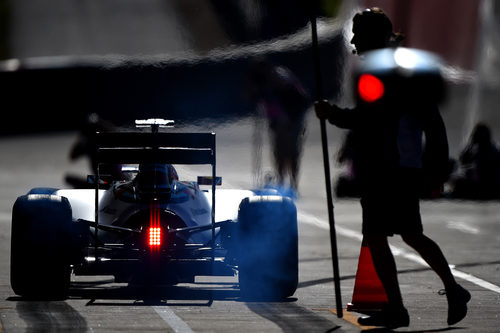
85, 146
479, 167
282, 99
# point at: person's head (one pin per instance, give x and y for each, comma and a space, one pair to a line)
373, 30
155, 176
481, 135
260, 71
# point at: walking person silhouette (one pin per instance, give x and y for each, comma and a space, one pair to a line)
281, 95
391, 157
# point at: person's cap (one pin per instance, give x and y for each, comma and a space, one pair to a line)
374, 19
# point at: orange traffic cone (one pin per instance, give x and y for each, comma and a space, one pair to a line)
369, 294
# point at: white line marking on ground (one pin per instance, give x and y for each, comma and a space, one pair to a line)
462, 226
313, 220
176, 323
475, 280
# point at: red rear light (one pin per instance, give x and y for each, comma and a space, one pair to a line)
370, 88
154, 233
154, 237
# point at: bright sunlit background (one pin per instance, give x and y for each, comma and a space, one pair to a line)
187, 59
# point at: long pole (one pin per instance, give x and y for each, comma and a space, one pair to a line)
326, 163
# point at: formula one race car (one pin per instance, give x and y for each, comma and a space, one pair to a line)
153, 229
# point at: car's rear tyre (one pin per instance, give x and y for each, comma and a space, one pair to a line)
267, 248
40, 246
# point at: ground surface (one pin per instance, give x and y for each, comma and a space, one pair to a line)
468, 233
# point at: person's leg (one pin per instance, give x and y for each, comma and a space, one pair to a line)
385, 266
281, 151
432, 254
394, 314
457, 296
294, 172
279, 164
280, 169
295, 146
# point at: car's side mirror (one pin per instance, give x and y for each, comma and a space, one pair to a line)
104, 181
207, 180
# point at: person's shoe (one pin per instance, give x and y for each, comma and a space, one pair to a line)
457, 297
390, 317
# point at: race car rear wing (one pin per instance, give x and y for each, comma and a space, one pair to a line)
155, 147
171, 148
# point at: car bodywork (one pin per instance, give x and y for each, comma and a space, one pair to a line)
152, 228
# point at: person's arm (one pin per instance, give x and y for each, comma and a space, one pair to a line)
467, 155
343, 118
436, 155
